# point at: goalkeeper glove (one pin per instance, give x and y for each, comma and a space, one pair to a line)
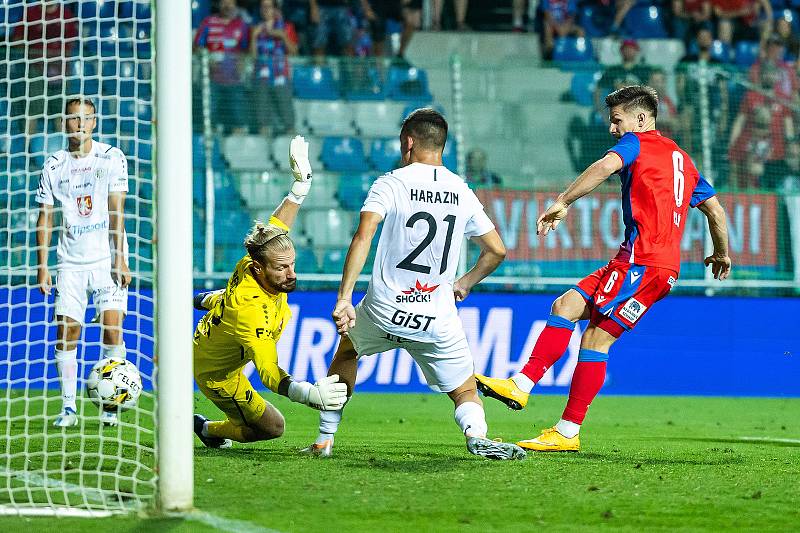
326, 394
301, 169
202, 300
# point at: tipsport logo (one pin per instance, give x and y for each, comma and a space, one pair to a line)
419, 293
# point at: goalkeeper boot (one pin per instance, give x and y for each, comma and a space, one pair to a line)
504, 390
492, 449
108, 418
324, 449
66, 419
552, 441
209, 442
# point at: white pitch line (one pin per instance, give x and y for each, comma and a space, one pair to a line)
230, 525
769, 439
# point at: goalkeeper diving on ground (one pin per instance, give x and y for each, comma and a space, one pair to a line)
244, 322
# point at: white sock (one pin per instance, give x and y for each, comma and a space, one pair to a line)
112, 350
471, 419
524, 383
328, 424
517, 21
204, 431
67, 363
567, 428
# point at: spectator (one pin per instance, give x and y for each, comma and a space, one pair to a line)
791, 44
377, 13
749, 159
334, 27
689, 17
46, 36
518, 16
477, 174
630, 72
668, 119
738, 20
559, 21
784, 175
771, 121
621, 11
460, 8
412, 20
786, 83
689, 75
225, 36
272, 41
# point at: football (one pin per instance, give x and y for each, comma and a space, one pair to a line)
114, 383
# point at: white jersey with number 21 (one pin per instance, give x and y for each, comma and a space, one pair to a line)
427, 212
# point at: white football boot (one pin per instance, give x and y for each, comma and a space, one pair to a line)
67, 418
108, 418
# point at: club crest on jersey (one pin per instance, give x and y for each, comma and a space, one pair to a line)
632, 310
84, 205
99, 173
419, 293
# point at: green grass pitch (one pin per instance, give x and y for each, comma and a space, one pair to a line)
647, 464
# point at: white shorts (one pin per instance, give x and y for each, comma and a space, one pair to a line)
446, 365
73, 289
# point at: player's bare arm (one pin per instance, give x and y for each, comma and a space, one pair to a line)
719, 261
119, 267
343, 313
44, 230
589, 180
493, 251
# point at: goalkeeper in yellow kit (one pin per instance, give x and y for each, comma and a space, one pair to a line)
244, 322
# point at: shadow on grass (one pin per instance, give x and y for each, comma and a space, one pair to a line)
654, 461
766, 441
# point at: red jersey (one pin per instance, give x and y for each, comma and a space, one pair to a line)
659, 184
226, 40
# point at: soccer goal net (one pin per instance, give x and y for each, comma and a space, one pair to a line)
52, 51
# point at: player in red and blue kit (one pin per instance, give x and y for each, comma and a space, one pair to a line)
659, 184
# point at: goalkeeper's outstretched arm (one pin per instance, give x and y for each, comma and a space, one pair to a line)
286, 212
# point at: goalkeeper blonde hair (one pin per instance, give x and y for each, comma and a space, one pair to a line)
266, 239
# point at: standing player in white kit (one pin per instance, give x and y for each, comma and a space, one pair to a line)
427, 211
88, 180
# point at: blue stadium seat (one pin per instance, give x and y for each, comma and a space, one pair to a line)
305, 260
108, 125
449, 156
408, 84
333, 260
343, 154
746, 53
17, 153
106, 8
594, 21
385, 154
230, 227
353, 189
370, 86
314, 83
646, 22
200, 10
199, 154
142, 10
582, 86
125, 9
721, 51
573, 50
144, 151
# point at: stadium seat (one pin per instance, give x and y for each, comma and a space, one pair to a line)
343, 154
200, 10
664, 53
323, 193
247, 152
407, 84
305, 261
326, 117
280, 151
17, 151
377, 119
583, 85
106, 9
593, 21
449, 156
329, 228
384, 154
333, 260
199, 154
572, 50
108, 125
746, 53
314, 83
721, 51
409, 108
142, 11
144, 151
262, 190
646, 22
363, 83
353, 189
42, 145
230, 227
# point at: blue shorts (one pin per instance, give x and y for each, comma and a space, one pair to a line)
334, 22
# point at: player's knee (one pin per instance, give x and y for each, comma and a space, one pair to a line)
273, 426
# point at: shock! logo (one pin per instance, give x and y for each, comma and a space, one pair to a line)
419, 293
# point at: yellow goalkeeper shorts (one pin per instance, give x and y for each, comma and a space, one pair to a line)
235, 397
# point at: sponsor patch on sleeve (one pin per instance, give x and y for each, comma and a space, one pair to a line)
632, 310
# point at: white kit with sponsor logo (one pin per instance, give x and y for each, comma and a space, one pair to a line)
81, 185
427, 212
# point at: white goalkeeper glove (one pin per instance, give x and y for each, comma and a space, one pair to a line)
301, 169
326, 394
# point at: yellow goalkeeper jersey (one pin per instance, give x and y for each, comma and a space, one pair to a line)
244, 324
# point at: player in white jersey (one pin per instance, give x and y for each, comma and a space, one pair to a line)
87, 182
426, 212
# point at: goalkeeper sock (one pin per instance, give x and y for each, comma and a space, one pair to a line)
588, 378
225, 430
328, 424
471, 419
67, 363
112, 350
549, 347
